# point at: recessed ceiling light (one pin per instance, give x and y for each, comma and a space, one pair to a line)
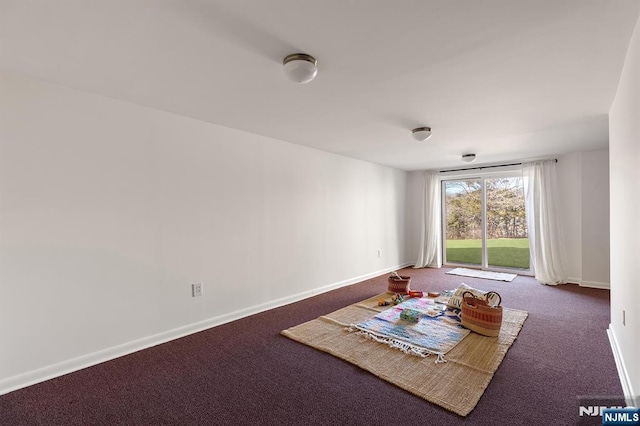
300, 67
421, 133
468, 158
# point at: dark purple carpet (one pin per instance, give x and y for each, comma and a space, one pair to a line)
246, 373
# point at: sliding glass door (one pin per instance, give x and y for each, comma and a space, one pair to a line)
463, 223
506, 223
484, 223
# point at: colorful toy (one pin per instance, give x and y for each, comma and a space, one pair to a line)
383, 302
410, 315
397, 298
415, 293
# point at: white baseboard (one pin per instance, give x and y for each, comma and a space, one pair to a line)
594, 284
68, 366
589, 284
625, 381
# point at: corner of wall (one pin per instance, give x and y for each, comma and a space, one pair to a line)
624, 176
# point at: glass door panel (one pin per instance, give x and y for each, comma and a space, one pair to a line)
463, 221
506, 223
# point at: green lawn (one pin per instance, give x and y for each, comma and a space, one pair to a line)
507, 252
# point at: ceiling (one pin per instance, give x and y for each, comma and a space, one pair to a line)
504, 79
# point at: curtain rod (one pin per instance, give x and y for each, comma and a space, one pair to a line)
485, 167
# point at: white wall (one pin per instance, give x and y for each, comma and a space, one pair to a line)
569, 190
624, 146
583, 190
595, 218
109, 211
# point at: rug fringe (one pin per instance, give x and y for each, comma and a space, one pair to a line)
405, 347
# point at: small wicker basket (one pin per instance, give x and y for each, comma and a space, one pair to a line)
398, 284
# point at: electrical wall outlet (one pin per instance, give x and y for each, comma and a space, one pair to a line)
196, 290
379, 252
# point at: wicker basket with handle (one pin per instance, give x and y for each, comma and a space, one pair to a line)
398, 284
478, 316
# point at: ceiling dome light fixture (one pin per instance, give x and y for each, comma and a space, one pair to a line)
300, 67
421, 133
468, 158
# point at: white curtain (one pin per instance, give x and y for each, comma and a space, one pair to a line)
545, 234
430, 253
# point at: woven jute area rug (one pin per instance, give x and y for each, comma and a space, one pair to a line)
456, 385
